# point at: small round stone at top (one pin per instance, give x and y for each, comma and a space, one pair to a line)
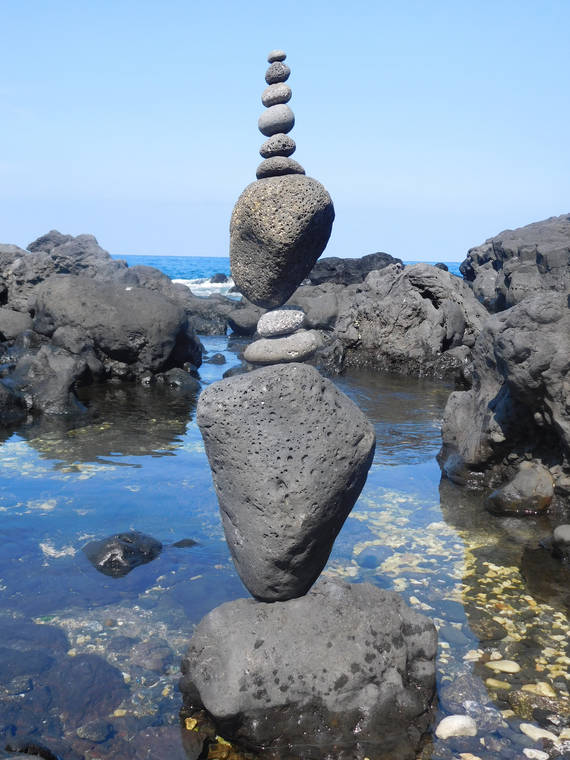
276, 55
277, 72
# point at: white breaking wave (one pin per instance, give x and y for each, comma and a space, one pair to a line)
204, 287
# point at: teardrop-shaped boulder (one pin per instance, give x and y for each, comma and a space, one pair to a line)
279, 228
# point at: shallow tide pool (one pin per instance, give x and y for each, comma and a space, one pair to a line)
89, 663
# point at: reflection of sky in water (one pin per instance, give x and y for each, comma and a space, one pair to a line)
141, 466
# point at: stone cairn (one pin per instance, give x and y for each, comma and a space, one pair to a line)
334, 668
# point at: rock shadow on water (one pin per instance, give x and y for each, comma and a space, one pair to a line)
124, 420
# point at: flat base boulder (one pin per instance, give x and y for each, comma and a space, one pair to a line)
290, 348
346, 669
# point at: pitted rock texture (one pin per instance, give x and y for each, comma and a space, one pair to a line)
280, 322
277, 72
343, 665
278, 145
275, 94
288, 479
517, 263
289, 348
276, 55
279, 228
278, 166
517, 407
275, 120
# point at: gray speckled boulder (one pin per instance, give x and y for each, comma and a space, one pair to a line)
279, 228
278, 166
277, 72
278, 145
275, 94
280, 322
289, 455
275, 120
290, 348
346, 669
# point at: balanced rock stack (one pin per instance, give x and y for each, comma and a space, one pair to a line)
342, 670
281, 223
283, 338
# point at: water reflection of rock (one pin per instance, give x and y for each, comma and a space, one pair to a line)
123, 420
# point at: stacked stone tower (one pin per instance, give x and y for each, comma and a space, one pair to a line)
337, 666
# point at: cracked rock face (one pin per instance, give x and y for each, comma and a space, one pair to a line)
343, 665
279, 228
289, 455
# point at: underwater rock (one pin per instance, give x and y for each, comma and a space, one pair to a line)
456, 725
343, 665
117, 555
529, 492
288, 479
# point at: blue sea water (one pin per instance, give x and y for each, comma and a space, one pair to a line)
138, 463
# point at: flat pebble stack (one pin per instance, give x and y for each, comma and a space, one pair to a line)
282, 339
276, 121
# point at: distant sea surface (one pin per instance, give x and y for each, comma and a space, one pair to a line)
196, 271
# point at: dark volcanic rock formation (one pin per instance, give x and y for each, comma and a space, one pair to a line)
517, 263
288, 478
279, 228
518, 407
118, 555
344, 665
349, 271
419, 320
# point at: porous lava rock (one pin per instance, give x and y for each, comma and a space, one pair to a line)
278, 166
517, 263
117, 555
287, 481
349, 271
279, 228
517, 408
280, 322
348, 669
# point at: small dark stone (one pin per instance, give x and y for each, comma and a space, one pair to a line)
216, 359
219, 277
119, 554
185, 543
441, 265
277, 72
95, 731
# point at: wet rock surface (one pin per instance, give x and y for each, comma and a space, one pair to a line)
341, 657
117, 555
286, 484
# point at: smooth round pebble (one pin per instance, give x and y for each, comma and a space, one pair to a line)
456, 725
291, 348
562, 534
276, 55
278, 145
535, 754
535, 733
276, 119
504, 666
275, 94
280, 322
277, 72
278, 166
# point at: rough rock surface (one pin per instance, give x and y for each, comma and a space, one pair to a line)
280, 322
289, 348
276, 94
419, 320
12, 323
517, 408
349, 271
277, 72
278, 145
278, 166
279, 228
529, 492
288, 480
344, 664
135, 327
118, 555
517, 263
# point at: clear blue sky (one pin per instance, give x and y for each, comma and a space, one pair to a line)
432, 124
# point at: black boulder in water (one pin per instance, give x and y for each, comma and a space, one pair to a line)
118, 555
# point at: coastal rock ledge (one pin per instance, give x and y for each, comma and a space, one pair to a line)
344, 665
